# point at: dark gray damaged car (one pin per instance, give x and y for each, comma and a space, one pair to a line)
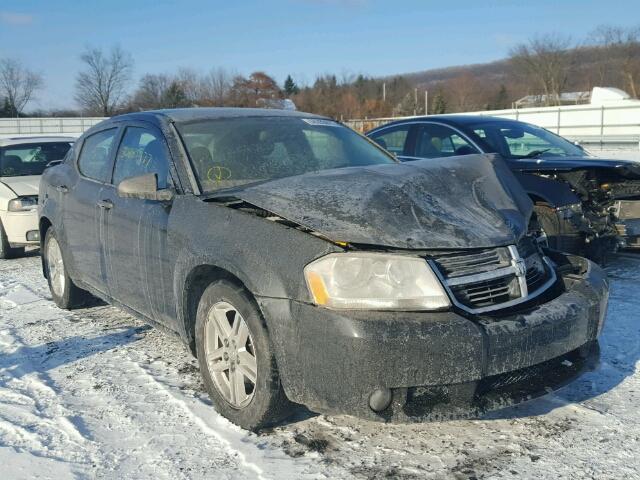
302, 264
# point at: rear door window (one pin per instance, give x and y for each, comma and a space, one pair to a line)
393, 139
141, 151
95, 157
434, 141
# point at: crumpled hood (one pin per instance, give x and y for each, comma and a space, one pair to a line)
548, 164
27, 185
458, 202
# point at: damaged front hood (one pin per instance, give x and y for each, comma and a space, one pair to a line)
559, 164
458, 202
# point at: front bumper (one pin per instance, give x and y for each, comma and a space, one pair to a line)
441, 364
21, 227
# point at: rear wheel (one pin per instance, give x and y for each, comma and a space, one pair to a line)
236, 358
64, 292
6, 251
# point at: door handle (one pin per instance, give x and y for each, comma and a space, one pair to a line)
105, 204
62, 188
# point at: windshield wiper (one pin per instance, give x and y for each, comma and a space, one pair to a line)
535, 153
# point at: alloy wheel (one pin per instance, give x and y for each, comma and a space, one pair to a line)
230, 354
55, 266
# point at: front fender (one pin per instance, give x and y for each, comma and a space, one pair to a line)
554, 192
267, 257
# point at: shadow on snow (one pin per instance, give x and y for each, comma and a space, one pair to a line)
51, 355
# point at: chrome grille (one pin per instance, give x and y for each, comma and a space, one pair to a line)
485, 293
490, 279
458, 264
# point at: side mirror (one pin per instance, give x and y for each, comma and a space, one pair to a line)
144, 187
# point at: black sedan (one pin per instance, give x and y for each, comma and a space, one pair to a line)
302, 263
584, 205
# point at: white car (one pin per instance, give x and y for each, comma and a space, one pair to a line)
22, 161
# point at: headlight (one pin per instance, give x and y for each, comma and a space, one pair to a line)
374, 281
23, 204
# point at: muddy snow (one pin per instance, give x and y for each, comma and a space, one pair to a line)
95, 393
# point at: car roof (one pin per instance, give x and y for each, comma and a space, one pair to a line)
181, 115
452, 120
27, 139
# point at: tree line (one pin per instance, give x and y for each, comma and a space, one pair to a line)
545, 67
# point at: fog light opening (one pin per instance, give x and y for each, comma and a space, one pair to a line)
380, 399
33, 236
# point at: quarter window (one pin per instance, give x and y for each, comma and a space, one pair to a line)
142, 151
436, 141
95, 155
392, 139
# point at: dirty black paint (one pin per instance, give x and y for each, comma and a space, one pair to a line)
456, 202
330, 360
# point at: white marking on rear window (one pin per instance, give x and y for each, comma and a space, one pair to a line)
320, 122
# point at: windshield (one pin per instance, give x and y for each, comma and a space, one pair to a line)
230, 152
31, 158
522, 140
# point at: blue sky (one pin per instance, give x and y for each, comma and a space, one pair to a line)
300, 37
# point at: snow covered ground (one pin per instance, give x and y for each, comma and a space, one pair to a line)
97, 394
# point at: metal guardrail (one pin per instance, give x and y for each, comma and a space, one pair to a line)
46, 125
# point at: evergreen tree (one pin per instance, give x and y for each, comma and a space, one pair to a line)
175, 96
439, 104
501, 100
290, 87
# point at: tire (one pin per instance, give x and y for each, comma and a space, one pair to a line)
6, 251
561, 235
268, 403
65, 293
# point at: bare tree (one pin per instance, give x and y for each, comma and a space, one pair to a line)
547, 59
245, 92
622, 47
215, 87
102, 85
17, 84
151, 91
464, 92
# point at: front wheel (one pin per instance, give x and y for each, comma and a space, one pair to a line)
236, 358
65, 293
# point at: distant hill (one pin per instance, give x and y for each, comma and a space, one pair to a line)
497, 71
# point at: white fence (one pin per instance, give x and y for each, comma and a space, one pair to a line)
47, 126
615, 125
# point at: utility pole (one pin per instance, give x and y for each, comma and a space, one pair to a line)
384, 91
426, 102
415, 102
